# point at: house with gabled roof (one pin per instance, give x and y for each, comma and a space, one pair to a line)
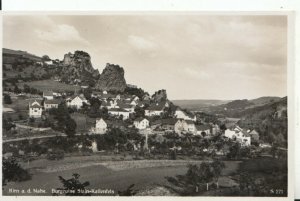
119, 112
180, 114
185, 126
76, 101
35, 109
238, 134
48, 95
164, 124
254, 135
126, 106
48, 104
110, 104
100, 126
141, 123
203, 128
156, 109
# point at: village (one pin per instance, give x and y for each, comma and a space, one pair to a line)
58, 123
123, 108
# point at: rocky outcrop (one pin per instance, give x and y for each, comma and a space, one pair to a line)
160, 95
111, 79
77, 67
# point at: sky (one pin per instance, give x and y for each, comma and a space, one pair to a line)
191, 56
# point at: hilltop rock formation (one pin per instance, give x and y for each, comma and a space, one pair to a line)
160, 95
111, 79
77, 67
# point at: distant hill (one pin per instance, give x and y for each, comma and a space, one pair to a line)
198, 104
237, 107
264, 100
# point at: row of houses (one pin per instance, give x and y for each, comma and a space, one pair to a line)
179, 126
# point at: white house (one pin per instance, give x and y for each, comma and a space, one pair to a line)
141, 123
203, 128
180, 114
35, 109
76, 102
156, 109
48, 104
119, 112
239, 135
57, 94
186, 126
110, 104
48, 95
50, 62
100, 127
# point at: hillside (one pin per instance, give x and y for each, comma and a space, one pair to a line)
264, 100
75, 69
236, 108
21, 65
199, 104
270, 120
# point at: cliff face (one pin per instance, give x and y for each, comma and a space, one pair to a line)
78, 66
111, 79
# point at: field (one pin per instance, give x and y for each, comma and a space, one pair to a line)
50, 85
84, 123
20, 106
115, 175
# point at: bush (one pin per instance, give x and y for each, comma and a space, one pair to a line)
12, 171
56, 155
7, 99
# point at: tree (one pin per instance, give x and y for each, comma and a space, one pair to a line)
203, 134
139, 112
46, 58
128, 192
217, 167
223, 128
12, 171
70, 128
246, 182
199, 174
104, 113
234, 150
7, 124
73, 186
7, 99
17, 90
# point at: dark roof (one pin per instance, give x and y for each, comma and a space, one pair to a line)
169, 121
124, 104
74, 96
47, 93
115, 123
108, 95
140, 119
117, 110
190, 122
157, 106
34, 106
253, 132
54, 101
202, 127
